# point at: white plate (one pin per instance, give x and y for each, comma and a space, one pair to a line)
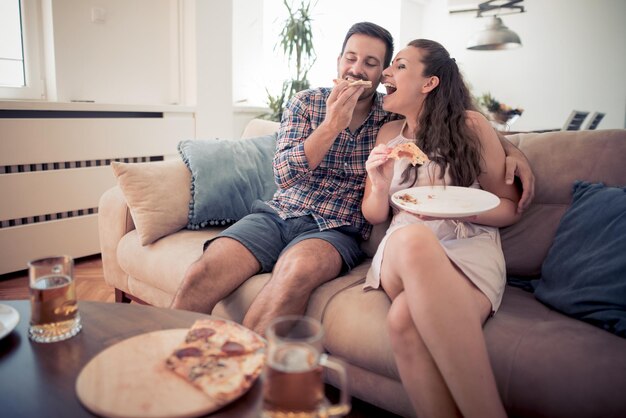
8, 320
446, 202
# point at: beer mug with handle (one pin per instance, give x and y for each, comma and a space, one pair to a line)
54, 309
294, 383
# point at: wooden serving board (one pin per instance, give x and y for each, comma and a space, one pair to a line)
129, 379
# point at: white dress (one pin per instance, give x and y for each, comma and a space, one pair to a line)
474, 249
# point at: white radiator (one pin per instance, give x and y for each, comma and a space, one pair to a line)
54, 166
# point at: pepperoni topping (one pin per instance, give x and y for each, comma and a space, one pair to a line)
188, 352
199, 334
233, 349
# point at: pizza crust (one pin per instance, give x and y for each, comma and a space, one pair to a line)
364, 83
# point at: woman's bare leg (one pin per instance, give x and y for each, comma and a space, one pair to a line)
419, 373
448, 312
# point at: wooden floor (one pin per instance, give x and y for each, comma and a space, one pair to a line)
90, 285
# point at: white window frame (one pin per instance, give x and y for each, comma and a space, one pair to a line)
33, 62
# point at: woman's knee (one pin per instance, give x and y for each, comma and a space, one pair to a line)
413, 248
399, 322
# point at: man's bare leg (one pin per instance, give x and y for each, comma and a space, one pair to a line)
297, 273
224, 266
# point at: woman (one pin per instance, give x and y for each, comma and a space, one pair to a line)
445, 277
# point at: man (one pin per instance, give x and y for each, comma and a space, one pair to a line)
310, 231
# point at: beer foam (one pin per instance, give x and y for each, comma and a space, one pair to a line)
293, 358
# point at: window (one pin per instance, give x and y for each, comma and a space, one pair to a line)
20, 75
260, 68
11, 55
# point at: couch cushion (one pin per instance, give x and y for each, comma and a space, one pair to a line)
235, 306
584, 274
162, 264
226, 177
370, 245
547, 364
157, 195
558, 159
356, 329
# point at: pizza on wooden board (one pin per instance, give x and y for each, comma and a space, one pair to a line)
411, 151
221, 358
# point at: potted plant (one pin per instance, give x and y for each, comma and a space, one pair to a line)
499, 112
296, 42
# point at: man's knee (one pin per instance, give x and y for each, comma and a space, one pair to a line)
226, 251
293, 276
308, 266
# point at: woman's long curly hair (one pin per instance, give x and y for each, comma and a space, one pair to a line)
443, 132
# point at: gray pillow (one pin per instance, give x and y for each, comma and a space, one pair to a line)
227, 175
584, 273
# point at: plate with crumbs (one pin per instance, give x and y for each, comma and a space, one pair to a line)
445, 201
9, 318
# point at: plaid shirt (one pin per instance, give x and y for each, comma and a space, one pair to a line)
331, 193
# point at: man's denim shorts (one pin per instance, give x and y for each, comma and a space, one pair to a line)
267, 236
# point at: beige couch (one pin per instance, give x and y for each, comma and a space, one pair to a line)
546, 364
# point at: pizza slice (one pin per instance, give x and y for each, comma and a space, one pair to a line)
411, 151
226, 378
217, 337
364, 83
220, 358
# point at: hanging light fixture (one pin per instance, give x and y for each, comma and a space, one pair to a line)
495, 36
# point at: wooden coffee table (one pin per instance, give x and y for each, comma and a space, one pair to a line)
38, 380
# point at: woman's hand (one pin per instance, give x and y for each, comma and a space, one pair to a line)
379, 167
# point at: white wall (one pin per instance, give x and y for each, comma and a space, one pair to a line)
247, 29
573, 57
574, 54
123, 60
214, 107
132, 58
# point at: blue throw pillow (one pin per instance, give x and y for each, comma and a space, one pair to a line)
584, 273
226, 177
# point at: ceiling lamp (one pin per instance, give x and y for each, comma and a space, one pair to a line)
495, 36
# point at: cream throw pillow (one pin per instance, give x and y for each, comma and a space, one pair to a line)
157, 194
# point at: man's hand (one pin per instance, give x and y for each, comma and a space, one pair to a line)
518, 165
340, 105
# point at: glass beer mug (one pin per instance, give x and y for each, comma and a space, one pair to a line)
54, 309
294, 382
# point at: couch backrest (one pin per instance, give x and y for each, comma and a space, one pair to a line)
558, 159
259, 127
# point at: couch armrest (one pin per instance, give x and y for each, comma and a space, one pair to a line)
114, 221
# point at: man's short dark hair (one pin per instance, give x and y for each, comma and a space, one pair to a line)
375, 31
